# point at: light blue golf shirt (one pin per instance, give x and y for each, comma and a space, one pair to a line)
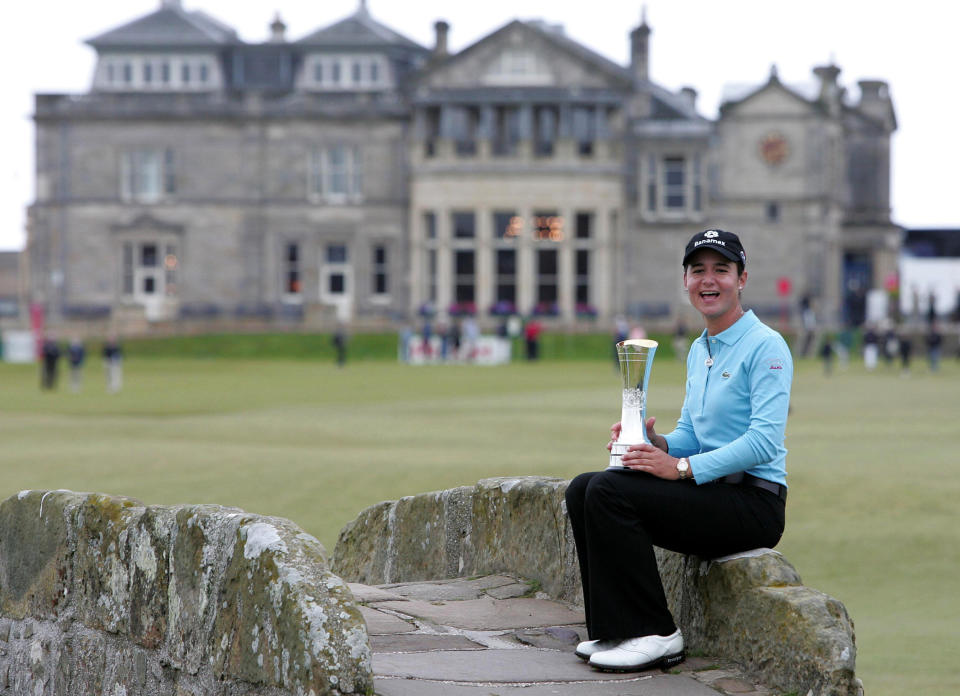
735, 412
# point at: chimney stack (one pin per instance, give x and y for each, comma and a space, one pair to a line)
640, 51
690, 95
278, 30
829, 90
441, 29
875, 102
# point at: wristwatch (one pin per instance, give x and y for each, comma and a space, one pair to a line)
683, 467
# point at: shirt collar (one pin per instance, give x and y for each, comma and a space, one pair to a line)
736, 332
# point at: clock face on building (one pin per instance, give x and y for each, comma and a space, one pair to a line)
774, 149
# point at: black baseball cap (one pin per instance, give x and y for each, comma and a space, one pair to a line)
727, 244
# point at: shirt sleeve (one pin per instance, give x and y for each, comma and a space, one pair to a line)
770, 377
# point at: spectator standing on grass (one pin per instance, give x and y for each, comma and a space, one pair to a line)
531, 334
471, 336
871, 348
826, 354
453, 340
49, 363
113, 364
905, 346
808, 320
427, 335
714, 486
891, 345
340, 344
76, 354
934, 340
405, 337
843, 345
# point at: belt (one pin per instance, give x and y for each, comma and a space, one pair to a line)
744, 479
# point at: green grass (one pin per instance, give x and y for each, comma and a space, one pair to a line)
874, 471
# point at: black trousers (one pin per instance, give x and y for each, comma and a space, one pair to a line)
619, 516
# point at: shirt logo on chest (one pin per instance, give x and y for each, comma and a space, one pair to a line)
725, 374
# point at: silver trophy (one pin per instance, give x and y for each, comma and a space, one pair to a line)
636, 360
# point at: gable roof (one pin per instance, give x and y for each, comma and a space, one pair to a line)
359, 30
552, 35
735, 94
559, 38
171, 26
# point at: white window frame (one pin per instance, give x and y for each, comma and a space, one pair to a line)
655, 191
342, 301
147, 174
333, 181
338, 72
112, 72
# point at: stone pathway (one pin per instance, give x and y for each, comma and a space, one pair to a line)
494, 636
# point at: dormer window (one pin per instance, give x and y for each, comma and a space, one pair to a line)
156, 72
345, 72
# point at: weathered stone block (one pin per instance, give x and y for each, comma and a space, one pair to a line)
418, 538
126, 598
34, 559
519, 526
363, 545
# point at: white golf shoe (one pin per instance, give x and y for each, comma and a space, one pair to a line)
636, 654
589, 647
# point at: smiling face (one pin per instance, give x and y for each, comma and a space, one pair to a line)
713, 285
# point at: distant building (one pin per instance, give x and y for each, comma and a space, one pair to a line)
355, 174
930, 273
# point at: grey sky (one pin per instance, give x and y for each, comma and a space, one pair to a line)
702, 43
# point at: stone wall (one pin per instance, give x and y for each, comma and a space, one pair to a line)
751, 608
103, 595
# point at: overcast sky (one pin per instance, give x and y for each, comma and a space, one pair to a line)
702, 43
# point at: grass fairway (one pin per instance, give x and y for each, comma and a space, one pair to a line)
874, 470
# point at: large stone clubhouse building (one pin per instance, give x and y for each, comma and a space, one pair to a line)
354, 174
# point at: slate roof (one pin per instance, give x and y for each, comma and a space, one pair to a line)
359, 30
587, 54
169, 26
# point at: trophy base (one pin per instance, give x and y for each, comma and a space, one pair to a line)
616, 456
616, 463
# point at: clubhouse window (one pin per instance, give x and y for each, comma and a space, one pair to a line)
336, 173
506, 275
582, 290
147, 175
547, 276
379, 264
465, 275
292, 285
464, 225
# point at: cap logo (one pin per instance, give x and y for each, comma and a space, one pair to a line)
710, 234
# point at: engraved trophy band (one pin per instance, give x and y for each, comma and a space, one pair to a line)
636, 360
